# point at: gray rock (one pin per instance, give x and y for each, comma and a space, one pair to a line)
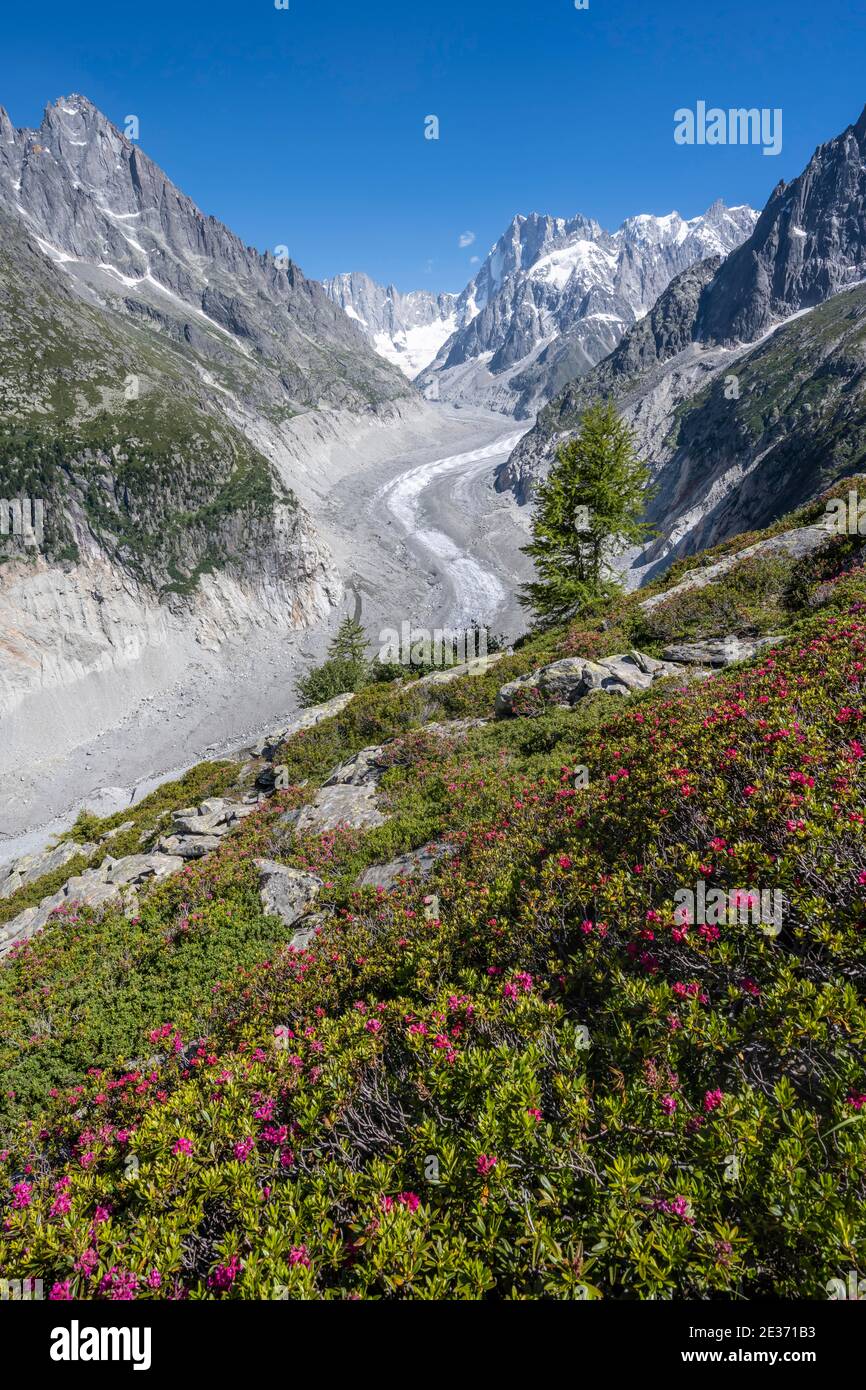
418, 863
478, 666
307, 931
340, 805
722, 651
137, 867
365, 767
31, 867
504, 701
189, 846
208, 824
285, 892
118, 830
649, 664
454, 728
574, 677
561, 681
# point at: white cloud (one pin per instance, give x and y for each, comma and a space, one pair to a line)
474, 260
466, 239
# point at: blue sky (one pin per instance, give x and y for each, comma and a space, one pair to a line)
305, 127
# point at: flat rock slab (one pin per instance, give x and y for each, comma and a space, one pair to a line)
476, 667
285, 892
137, 867
31, 867
794, 543
722, 651
341, 805
189, 846
454, 728
418, 863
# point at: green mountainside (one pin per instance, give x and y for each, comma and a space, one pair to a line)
530, 1074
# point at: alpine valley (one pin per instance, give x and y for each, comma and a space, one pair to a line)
537, 975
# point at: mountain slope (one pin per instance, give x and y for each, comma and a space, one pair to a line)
124, 234
554, 297
154, 374
295, 1070
160, 515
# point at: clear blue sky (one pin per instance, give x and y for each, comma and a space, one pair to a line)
304, 127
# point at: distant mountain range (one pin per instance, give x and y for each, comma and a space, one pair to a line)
745, 385
407, 329
553, 297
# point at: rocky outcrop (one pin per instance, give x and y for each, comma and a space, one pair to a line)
307, 719
720, 651
112, 884
30, 867
196, 830
352, 806
417, 864
809, 242
572, 679
478, 666
286, 893
796, 544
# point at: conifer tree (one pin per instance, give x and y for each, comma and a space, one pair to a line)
589, 506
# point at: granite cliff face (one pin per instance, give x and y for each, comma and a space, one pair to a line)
810, 241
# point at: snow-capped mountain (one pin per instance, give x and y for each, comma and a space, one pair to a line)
554, 297
407, 329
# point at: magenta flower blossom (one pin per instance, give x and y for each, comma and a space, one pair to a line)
182, 1146
225, 1275
409, 1200
669, 1105
87, 1262
713, 1099
22, 1195
485, 1163
299, 1255
61, 1292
